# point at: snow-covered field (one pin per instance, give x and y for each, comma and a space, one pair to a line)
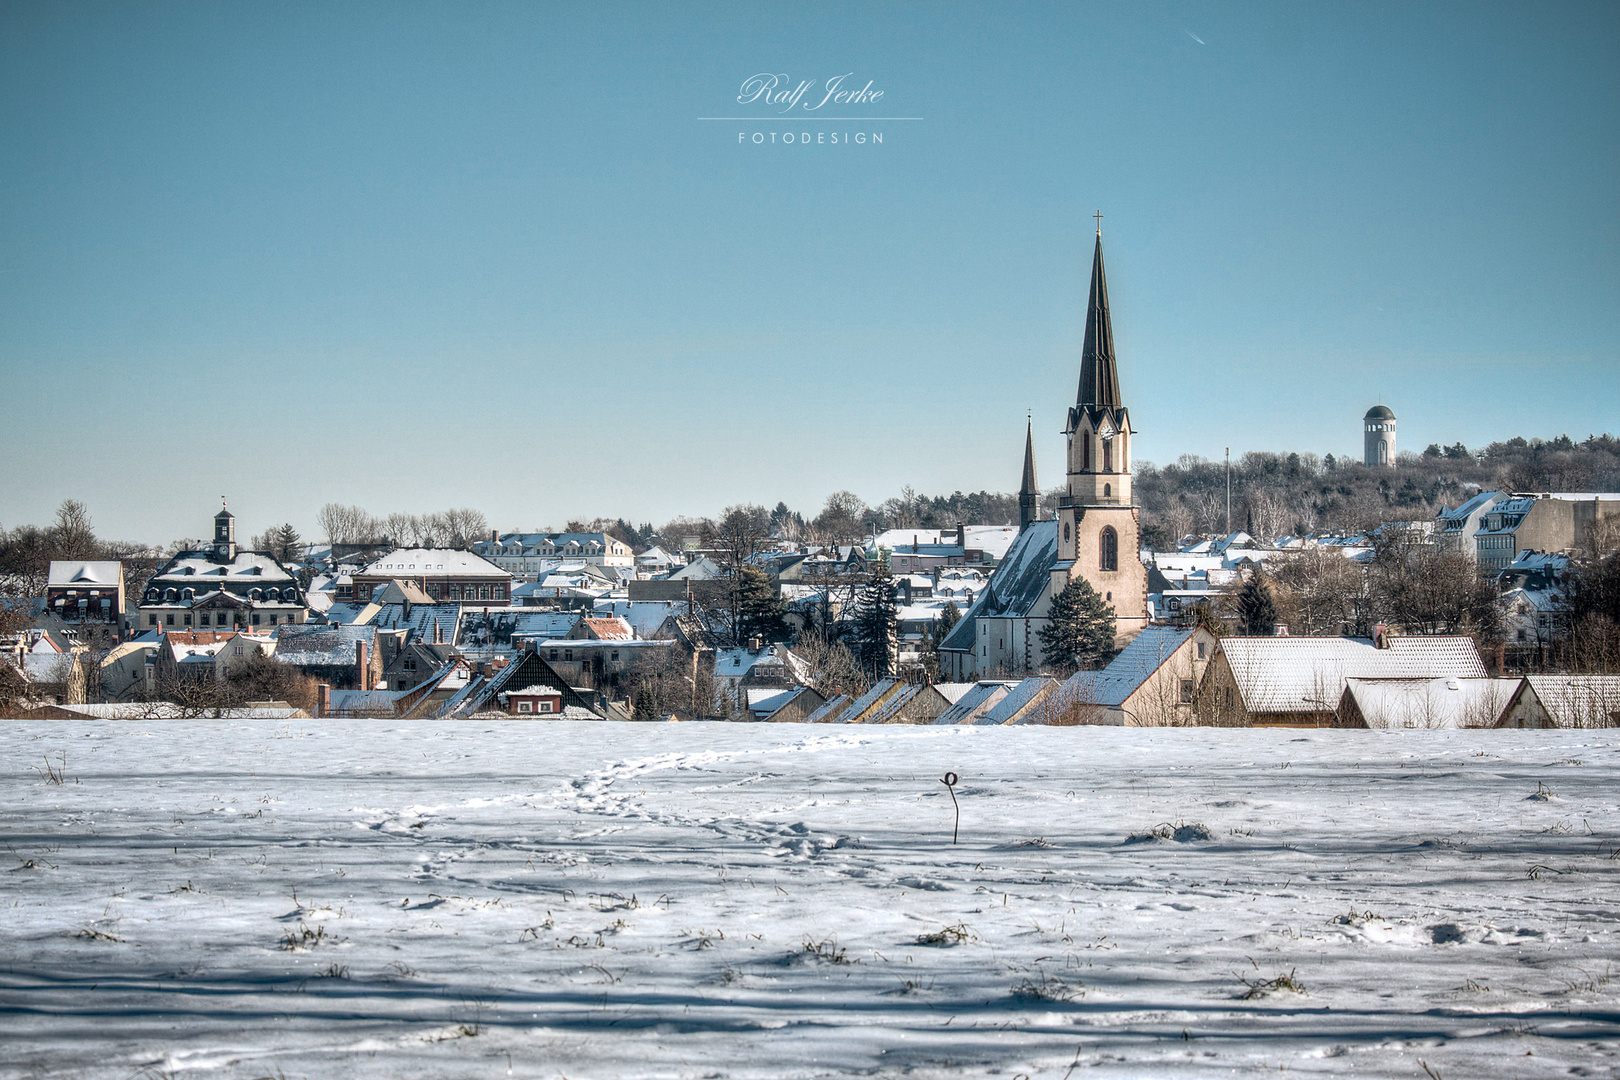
369, 899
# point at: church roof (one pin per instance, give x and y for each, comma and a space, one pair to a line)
1380, 412
1099, 376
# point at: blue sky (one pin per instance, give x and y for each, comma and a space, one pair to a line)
422, 255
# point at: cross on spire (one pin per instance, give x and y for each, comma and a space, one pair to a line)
1098, 216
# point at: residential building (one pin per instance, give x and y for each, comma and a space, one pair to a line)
524, 555
1547, 522
1455, 529
90, 597
1152, 683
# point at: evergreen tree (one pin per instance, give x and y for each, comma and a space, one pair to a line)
1257, 612
1079, 629
877, 622
286, 543
646, 702
759, 606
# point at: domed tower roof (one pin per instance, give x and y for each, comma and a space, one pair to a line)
1379, 412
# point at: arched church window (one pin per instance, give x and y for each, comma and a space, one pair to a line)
1085, 452
1108, 455
1065, 532
1108, 490
1108, 542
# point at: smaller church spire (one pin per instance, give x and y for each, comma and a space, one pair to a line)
1029, 493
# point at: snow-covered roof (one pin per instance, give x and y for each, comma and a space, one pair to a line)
188, 567
737, 663
1579, 700
320, 645
1125, 674
1028, 692
1430, 703
106, 572
447, 562
968, 707
1307, 674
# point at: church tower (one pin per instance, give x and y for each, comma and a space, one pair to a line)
1029, 493
1098, 525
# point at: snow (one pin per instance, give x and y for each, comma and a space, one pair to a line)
542, 899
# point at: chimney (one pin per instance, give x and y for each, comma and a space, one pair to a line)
494, 536
961, 536
323, 699
1380, 636
755, 643
362, 670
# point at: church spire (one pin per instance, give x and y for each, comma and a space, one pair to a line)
1029, 493
1099, 377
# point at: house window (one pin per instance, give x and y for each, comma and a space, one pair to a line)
483, 592
236, 650
1228, 697
188, 618
1109, 543
524, 706
256, 618
1202, 650
568, 654
168, 620
615, 654
1186, 691
545, 706
202, 620
554, 654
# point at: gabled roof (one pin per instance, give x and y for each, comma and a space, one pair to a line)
1579, 700
1020, 703
1126, 673
971, 705
829, 712
526, 671
1429, 703
1307, 674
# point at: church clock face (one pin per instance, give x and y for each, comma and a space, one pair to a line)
1106, 432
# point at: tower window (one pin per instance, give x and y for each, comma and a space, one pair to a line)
1108, 455
1108, 542
1065, 532
1085, 453
1108, 490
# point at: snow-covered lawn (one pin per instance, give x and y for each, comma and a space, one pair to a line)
372, 899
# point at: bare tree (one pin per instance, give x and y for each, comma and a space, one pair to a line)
464, 527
